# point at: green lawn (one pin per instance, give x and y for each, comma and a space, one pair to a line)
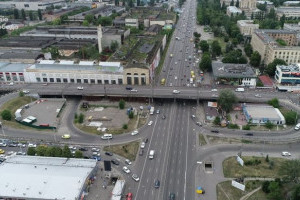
221, 42
232, 169
128, 150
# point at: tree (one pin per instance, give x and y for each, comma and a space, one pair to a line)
85, 23
296, 193
23, 14
105, 21
125, 126
255, 59
290, 117
274, 102
114, 46
217, 120
31, 17
81, 118
290, 169
226, 100
265, 186
282, 21
269, 125
31, 151
16, 14
205, 64
267, 158
204, 46
275, 191
248, 49
131, 115
117, 2
50, 152
54, 52
237, 4
216, 48
66, 152
271, 67
130, 3
78, 154
40, 15
6, 115
89, 18
21, 94
121, 104
57, 151
232, 3
272, 14
41, 150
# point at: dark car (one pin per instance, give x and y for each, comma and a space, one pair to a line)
163, 117
141, 152
115, 162
145, 140
109, 153
156, 183
83, 149
128, 88
214, 131
172, 196
249, 134
98, 158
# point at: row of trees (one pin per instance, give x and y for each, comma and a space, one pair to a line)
31, 14
53, 151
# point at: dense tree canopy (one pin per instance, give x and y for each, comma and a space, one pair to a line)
227, 99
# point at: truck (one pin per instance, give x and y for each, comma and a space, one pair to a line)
152, 110
151, 154
240, 89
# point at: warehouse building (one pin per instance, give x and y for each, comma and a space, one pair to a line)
45, 178
32, 4
261, 114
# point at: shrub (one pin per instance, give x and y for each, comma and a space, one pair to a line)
21, 94
125, 126
274, 102
269, 125
271, 165
246, 127
131, 115
81, 118
252, 162
267, 158
6, 115
265, 186
121, 104
217, 121
233, 126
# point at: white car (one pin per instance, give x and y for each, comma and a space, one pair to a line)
2, 144
285, 153
79, 88
135, 132
133, 90
175, 63
185, 60
128, 162
258, 95
143, 145
72, 148
135, 177
157, 111
95, 150
21, 145
175, 77
25, 91
31, 145
11, 83
150, 123
126, 170
96, 154
176, 91
214, 90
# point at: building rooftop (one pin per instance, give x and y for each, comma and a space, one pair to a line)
263, 2
234, 9
13, 67
104, 11
263, 34
27, 42
289, 69
263, 112
246, 23
266, 80
291, 2
20, 54
229, 70
35, 177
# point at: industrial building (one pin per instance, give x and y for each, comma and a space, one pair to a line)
234, 74
288, 11
232, 10
271, 44
34, 5
261, 114
45, 178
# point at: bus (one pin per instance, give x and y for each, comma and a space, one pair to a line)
163, 81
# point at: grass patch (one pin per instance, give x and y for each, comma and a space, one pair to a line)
222, 140
202, 140
232, 169
246, 141
12, 106
258, 195
128, 150
221, 42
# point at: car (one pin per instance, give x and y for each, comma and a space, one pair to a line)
185, 60
21, 145
156, 183
66, 136
143, 144
249, 134
96, 154
176, 91
199, 123
193, 116
72, 148
150, 123
135, 132
157, 111
175, 77
129, 196
80, 88
141, 107
31, 145
135, 177
128, 88
141, 152
214, 131
126, 170
175, 63
145, 140
3, 144
285, 153
11, 83
44, 84
2, 151
25, 91
128, 162
13, 144
214, 90
172, 196
257, 96
98, 158
109, 153
115, 162
83, 149
21, 153
95, 149
133, 90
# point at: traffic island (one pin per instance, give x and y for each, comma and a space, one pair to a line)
128, 150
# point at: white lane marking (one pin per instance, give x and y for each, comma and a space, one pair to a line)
186, 155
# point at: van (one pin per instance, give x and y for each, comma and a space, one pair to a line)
297, 127
106, 136
240, 89
151, 154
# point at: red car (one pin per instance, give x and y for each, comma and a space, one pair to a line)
129, 196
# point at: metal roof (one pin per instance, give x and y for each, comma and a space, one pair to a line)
230, 70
